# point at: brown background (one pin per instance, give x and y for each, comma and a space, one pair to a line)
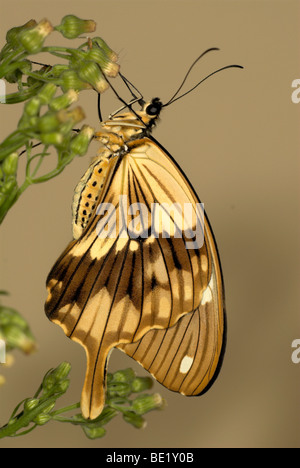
237, 138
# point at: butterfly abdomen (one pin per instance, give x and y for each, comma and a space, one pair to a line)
88, 191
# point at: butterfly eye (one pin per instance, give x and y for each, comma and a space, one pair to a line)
154, 108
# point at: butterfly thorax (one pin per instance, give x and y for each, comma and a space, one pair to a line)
116, 132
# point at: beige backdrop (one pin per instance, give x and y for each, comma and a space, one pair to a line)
237, 138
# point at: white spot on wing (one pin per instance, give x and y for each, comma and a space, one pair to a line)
207, 296
186, 364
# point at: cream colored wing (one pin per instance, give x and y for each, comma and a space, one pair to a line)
111, 287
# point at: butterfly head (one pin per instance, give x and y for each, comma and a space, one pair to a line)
150, 111
153, 108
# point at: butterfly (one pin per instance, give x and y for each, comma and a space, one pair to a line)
152, 293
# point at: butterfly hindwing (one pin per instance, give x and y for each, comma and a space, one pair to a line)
186, 357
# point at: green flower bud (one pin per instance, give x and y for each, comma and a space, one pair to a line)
30, 404
107, 66
135, 420
63, 120
15, 337
126, 375
62, 387
119, 389
57, 70
71, 26
53, 120
62, 371
94, 432
53, 138
80, 143
32, 107
47, 93
12, 34
97, 55
10, 164
33, 39
42, 419
140, 384
48, 408
49, 122
70, 80
108, 51
64, 101
9, 316
9, 184
26, 122
49, 382
77, 56
66, 130
75, 115
91, 73
145, 403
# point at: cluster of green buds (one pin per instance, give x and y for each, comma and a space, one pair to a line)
36, 410
49, 91
86, 67
54, 126
121, 386
48, 118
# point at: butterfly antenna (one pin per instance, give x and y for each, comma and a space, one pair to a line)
189, 71
99, 108
204, 79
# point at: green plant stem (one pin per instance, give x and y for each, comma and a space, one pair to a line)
12, 199
65, 409
9, 202
23, 420
12, 143
19, 54
43, 78
57, 49
58, 170
23, 95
